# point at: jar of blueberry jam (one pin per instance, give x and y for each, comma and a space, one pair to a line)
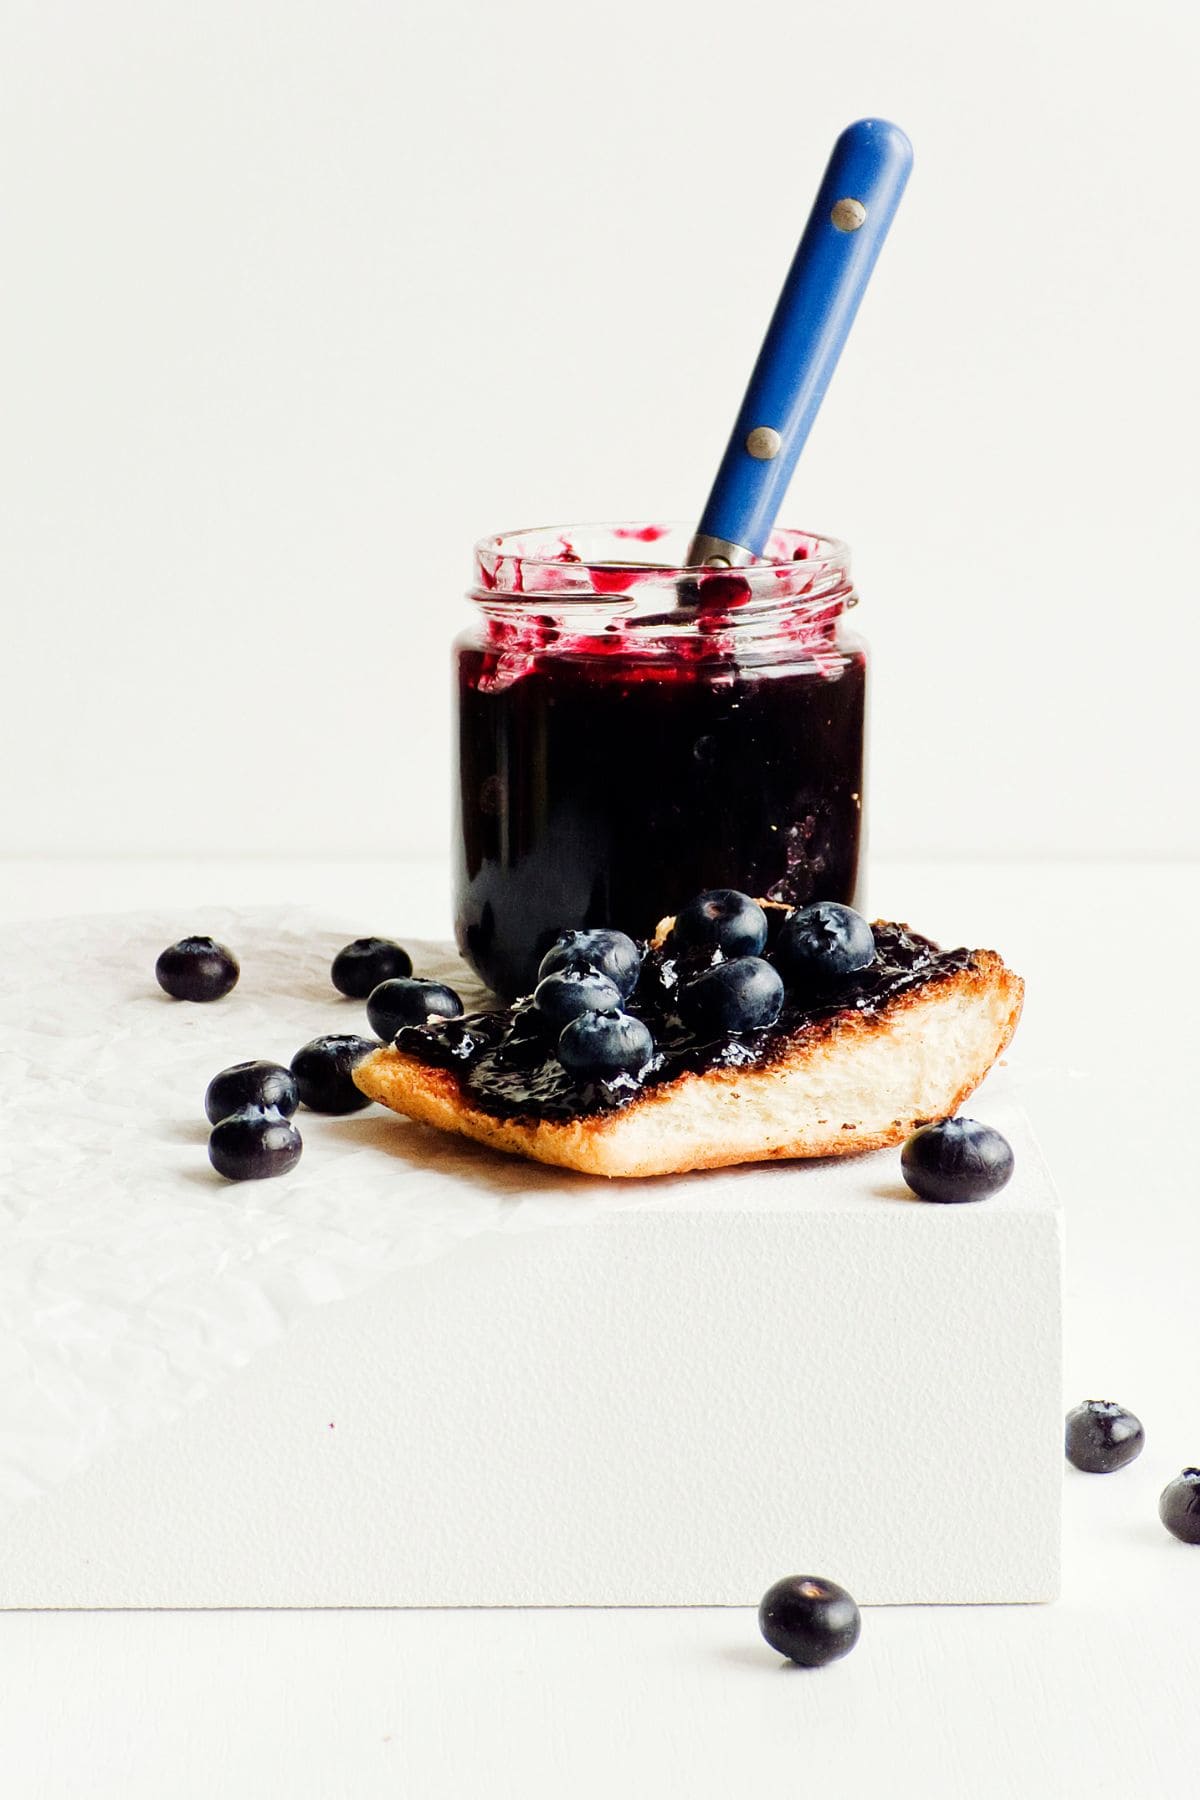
631, 730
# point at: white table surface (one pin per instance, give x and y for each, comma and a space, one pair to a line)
1094, 1695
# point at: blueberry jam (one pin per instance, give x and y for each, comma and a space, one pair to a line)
506, 1060
629, 733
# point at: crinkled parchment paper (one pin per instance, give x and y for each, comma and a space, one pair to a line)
132, 1278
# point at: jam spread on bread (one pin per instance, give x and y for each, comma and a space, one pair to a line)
507, 1062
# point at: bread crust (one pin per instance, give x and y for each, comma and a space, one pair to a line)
849, 1083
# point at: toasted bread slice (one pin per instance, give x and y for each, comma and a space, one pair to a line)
840, 1083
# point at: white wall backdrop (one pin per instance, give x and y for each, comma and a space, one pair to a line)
299, 300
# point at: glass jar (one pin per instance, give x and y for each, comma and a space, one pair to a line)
631, 731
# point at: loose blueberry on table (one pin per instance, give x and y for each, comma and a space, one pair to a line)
721, 919
1102, 1436
608, 953
409, 1001
810, 1620
252, 1145
323, 1072
264, 1084
362, 965
956, 1160
197, 969
1179, 1506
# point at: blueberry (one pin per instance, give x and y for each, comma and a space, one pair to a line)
820, 946
251, 1144
598, 1045
566, 992
809, 1620
261, 1084
956, 1159
197, 968
742, 995
1179, 1506
322, 1070
366, 962
1102, 1436
610, 952
721, 919
409, 1001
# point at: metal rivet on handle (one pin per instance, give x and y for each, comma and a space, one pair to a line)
848, 215
763, 443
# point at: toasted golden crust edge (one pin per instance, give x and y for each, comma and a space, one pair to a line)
864, 1084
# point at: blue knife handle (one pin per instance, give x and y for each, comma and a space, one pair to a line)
854, 207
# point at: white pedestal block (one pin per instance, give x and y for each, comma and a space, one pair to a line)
661, 1394
674, 1405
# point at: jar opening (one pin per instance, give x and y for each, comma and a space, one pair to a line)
640, 569
580, 592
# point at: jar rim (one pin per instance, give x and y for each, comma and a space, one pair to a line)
596, 562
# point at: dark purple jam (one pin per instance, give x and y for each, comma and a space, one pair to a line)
596, 787
506, 1061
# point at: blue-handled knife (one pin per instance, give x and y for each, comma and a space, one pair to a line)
854, 207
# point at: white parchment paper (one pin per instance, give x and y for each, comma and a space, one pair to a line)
132, 1278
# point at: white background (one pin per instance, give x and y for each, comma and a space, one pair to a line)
299, 300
